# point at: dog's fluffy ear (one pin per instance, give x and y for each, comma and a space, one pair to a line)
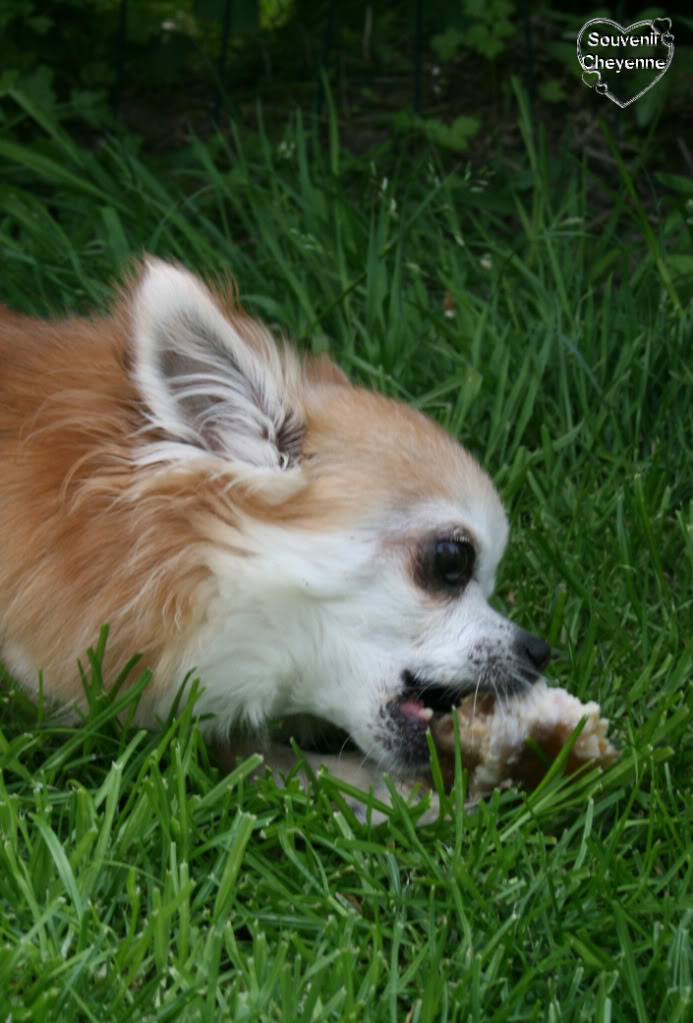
205, 386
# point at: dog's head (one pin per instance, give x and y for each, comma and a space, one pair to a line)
351, 544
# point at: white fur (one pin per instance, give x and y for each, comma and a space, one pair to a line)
326, 624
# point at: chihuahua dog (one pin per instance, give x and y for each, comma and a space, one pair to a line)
305, 546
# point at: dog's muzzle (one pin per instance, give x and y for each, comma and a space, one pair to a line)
499, 672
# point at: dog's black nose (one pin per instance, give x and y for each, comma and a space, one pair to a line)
532, 650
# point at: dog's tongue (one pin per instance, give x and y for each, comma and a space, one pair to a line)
416, 709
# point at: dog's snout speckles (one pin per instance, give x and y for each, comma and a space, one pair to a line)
403, 737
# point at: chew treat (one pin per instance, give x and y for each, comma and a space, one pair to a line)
493, 734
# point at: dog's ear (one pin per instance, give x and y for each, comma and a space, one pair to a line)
206, 387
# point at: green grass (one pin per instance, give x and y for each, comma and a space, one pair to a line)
138, 884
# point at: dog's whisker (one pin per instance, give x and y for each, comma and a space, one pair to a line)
342, 748
476, 695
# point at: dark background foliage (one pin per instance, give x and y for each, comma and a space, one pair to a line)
440, 69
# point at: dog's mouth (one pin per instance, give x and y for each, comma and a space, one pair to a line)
421, 699
420, 703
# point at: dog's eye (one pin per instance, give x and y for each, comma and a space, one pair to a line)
453, 562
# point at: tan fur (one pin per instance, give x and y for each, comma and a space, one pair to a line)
72, 556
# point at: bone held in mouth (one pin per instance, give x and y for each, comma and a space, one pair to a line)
494, 734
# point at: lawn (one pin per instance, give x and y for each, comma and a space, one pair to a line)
539, 308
